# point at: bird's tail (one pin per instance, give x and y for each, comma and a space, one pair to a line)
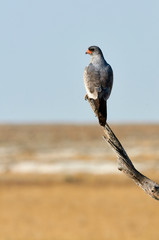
102, 112
100, 109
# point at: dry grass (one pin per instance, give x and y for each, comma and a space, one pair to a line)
75, 207
45, 142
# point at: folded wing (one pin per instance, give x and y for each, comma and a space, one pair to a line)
98, 84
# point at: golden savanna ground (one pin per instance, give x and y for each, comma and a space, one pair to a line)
76, 206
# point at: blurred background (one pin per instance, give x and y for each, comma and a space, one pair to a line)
58, 178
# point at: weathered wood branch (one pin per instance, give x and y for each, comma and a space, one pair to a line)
125, 165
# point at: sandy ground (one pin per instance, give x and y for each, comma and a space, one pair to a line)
83, 207
65, 143
75, 207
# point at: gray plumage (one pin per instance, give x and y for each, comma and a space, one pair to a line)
98, 80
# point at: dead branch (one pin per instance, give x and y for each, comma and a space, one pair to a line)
125, 165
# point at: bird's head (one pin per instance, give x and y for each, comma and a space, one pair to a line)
94, 50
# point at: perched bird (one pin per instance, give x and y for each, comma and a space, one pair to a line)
98, 80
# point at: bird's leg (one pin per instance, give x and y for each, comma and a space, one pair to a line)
86, 97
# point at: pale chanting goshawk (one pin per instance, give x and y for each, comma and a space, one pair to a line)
98, 80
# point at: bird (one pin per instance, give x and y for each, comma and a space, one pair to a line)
98, 81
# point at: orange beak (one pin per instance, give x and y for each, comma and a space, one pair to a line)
89, 52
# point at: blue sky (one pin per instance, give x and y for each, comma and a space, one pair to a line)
42, 59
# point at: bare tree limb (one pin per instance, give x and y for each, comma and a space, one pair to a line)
125, 165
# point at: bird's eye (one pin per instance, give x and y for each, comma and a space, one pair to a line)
91, 49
